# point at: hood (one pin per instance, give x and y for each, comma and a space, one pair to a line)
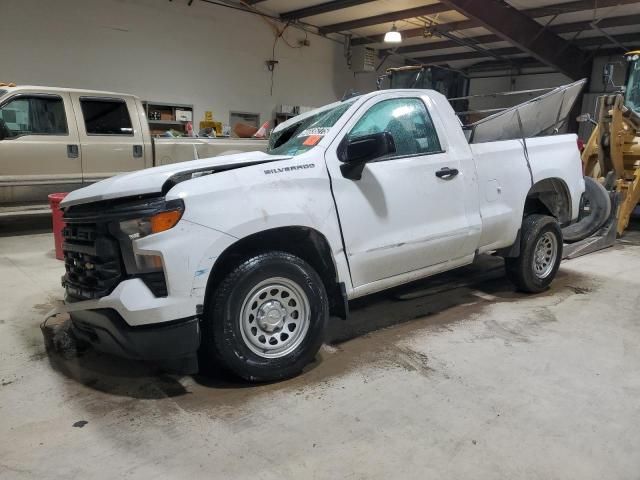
152, 180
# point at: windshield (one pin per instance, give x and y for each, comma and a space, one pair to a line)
2, 92
632, 95
304, 135
413, 78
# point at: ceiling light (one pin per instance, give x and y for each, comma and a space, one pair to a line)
393, 35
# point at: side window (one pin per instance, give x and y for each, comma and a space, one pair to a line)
408, 122
33, 115
103, 116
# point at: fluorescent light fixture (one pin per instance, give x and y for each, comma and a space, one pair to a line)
393, 35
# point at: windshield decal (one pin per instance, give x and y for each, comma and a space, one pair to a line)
319, 131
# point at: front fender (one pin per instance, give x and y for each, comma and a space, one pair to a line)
253, 199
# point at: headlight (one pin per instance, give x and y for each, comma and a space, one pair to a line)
159, 222
136, 228
147, 224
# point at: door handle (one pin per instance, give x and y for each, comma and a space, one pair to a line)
73, 151
447, 173
137, 151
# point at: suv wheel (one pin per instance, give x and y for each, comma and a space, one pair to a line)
267, 319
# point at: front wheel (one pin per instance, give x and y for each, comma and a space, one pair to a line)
540, 254
267, 319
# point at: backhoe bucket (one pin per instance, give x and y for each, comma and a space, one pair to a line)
605, 237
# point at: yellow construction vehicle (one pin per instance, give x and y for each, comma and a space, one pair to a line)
612, 153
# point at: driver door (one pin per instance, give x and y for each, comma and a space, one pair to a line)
400, 216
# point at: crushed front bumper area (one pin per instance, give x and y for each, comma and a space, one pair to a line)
171, 343
124, 304
107, 331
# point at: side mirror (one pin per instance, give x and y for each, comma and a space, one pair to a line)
356, 152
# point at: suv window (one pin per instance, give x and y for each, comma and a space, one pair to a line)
408, 122
106, 116
33, 115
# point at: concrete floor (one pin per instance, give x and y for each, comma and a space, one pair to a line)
466, 379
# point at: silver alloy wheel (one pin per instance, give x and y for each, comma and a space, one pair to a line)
544, 255
274, 318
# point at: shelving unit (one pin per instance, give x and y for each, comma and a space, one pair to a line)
168, 120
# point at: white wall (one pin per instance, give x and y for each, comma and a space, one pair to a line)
209, 56
594, 89
365, 82
497, 84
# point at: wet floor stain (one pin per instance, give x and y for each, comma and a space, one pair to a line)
375, 337
579, 290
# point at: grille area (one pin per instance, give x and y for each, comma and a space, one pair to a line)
92, 260
98, 255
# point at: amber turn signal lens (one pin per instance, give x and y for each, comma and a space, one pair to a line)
165, 220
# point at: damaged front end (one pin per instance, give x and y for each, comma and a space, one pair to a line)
103, 268
98, 245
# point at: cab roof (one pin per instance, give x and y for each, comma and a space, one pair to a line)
12, 87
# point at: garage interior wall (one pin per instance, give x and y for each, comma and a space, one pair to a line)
493, 84
209, 56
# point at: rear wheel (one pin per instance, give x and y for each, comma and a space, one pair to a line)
540, 254
267, 319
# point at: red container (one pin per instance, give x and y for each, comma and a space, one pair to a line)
58, 222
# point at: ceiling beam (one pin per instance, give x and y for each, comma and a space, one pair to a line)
528, 62
384, 18
627, 20
321, 8
452, 57
537, 12
418, 32
501, 52
575, 6
525, 33
625, 38
426, 47
493, 65
612, 22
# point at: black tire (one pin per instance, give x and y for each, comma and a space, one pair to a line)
599, 210
225, 335
521, 270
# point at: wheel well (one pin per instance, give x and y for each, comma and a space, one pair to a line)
549, 197
303, 242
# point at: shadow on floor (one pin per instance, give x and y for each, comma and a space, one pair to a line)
439, 302
27, 225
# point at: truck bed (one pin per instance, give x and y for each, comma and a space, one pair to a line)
504, 172
172, 150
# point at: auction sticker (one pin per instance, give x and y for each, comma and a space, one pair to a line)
320, 131
312, 140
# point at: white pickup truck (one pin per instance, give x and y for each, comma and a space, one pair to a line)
241, 259
59, 139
